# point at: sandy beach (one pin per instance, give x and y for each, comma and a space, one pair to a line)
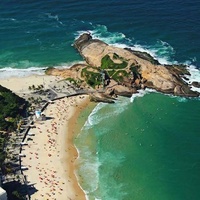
50, 154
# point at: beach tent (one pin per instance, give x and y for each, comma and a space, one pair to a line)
3, 194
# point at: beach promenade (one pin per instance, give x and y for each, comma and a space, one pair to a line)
48, 161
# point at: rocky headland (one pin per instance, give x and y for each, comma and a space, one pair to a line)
109, 71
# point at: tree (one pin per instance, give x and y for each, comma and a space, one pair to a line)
33, 87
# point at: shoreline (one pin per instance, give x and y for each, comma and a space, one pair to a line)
77, 122
50, 154
73, 152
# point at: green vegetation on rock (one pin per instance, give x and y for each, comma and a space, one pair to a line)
92, 76
107, 62
119, 75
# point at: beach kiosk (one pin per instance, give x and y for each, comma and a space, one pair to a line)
3, 194
40, 116
37, 114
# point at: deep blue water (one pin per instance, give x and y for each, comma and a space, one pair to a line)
149, 148
41, 33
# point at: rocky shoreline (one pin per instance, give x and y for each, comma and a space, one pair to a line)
109, 71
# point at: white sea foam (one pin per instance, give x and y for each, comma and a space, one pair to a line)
101, 32
161, 50
13, 72
28, 68
50, 16
141, 93
111, 109
181, 99
194, 76
93, 118
68, 65
89, 169
94, 167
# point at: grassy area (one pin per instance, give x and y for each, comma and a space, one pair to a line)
107, 62
119, 75
92, 76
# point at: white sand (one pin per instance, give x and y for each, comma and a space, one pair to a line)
20, 85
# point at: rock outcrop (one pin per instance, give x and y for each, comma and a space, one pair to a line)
166, 79
110, 71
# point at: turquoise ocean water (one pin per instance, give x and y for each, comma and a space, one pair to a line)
146, 148
143, 148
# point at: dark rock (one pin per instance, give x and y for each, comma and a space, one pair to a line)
84, 40
178, 69
149, 84
185, 78
101, 97
125, 93
177, 90
196, 84
185, 91
144, 56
